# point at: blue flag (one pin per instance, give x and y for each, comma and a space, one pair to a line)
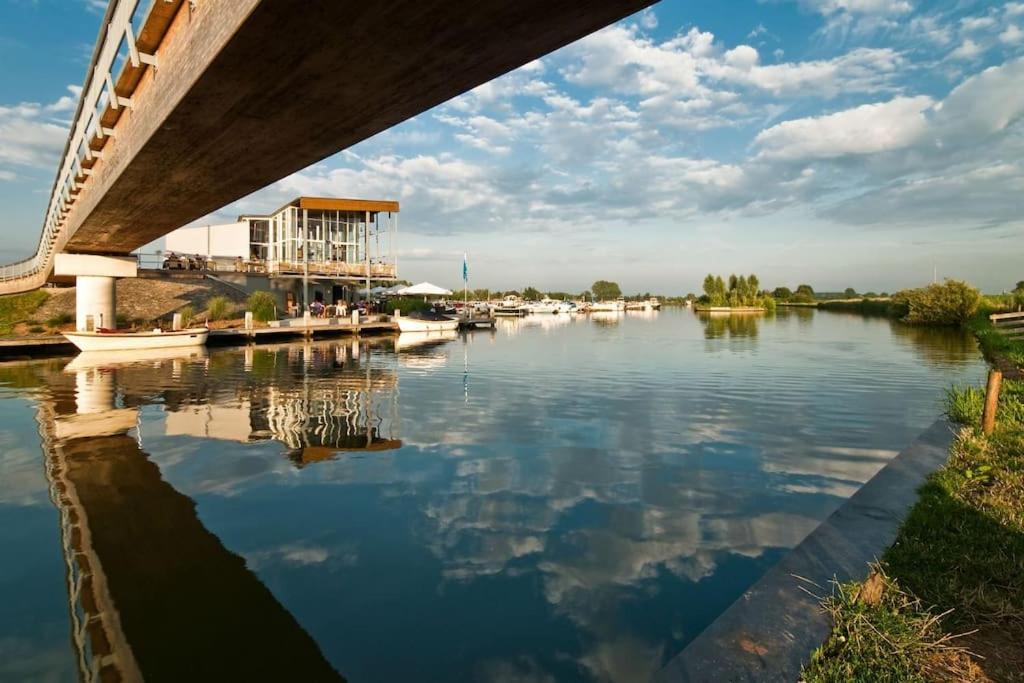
465, 268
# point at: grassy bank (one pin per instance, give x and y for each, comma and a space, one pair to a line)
947, 601
19, 309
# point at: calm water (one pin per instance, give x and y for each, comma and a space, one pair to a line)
568, 500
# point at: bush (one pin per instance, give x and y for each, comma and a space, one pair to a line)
219, 308
60, 319
951, 303
35, 329
406, 304
187, 313
263, 306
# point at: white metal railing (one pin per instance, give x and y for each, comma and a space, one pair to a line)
96, 95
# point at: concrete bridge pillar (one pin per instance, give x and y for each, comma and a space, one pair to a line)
95, 298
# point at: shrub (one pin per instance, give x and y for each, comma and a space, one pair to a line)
60, 319
406, 304
35, 329
951, 303
263, 306
187, 313
219, 308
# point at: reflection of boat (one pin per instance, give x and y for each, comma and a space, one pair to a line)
120, 341
426, 322
88, 360
411, 340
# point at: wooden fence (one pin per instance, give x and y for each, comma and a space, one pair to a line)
1009, 324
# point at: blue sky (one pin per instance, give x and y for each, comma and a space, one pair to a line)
838, 142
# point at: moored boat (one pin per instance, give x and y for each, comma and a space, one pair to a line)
128, 341
426, 322
511, 306
608, 306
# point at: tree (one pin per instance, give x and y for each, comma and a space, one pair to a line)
586, 295
1020, 286
481, 294
849, 292
783, 293
606, 291
532, 294
805, 289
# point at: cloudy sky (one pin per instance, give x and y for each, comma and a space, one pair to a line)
843, 143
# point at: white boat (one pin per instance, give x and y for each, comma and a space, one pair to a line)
127, 341
544, 307
511, 306
419, 322
608, 306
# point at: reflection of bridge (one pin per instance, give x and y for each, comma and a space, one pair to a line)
152, 593
188, 106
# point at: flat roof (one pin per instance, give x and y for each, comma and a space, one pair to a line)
334, 204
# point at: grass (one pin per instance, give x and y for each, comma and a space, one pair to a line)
956, 567
18, 308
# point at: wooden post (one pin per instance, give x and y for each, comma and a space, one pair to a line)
988, 419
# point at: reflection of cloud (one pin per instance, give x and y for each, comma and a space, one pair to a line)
301, 555
23, 482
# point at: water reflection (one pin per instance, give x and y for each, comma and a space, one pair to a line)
567, 503
728, 326
939, 347
152, 593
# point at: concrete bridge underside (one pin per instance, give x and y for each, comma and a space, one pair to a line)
248, 91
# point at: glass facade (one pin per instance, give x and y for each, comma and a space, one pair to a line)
342, 243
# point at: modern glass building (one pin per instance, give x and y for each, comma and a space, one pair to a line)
312, 248
340, 237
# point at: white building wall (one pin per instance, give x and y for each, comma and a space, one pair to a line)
227, 240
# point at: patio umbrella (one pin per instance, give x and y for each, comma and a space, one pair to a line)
424, 289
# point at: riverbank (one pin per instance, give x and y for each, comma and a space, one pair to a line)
141, 302
946, 601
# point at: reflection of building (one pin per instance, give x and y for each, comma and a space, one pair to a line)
339, 242
335, 402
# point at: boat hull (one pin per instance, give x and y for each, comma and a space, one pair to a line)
414, 325
129, 341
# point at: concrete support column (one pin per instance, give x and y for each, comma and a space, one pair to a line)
95, 302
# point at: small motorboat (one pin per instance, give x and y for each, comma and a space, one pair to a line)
112, 340
426, 322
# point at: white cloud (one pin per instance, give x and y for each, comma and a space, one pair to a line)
867, 129
968, 50
30, 136
1012, 35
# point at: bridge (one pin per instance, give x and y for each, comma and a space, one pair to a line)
190, 105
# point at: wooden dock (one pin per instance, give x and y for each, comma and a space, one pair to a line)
475, 322
296, 328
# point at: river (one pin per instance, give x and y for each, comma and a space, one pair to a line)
567, 499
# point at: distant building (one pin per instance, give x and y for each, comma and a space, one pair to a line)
336, 245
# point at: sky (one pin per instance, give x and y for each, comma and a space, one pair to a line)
842, 143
